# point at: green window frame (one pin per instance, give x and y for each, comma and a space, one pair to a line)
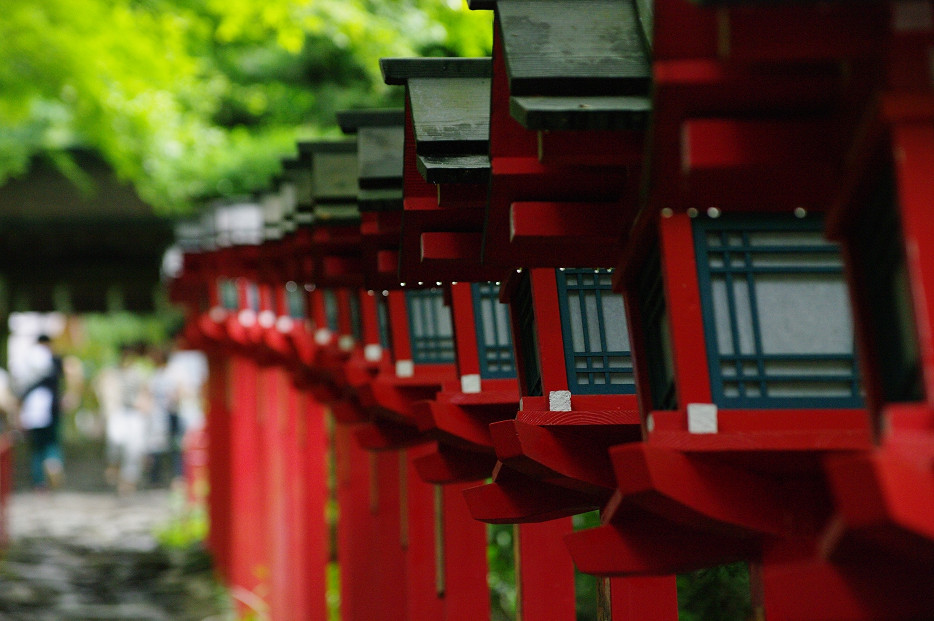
882, 271
494, 337
356, 320
431, 332
229, 296
656, 327
776, 314
331, 310
252, 297
296, 300
527, 336
597, 352
382, 318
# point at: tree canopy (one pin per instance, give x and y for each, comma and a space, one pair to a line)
193, 99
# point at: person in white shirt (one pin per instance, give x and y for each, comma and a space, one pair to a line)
39, 414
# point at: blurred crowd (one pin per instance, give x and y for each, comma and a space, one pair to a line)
146, 404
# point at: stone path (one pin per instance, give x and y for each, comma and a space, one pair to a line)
92, 556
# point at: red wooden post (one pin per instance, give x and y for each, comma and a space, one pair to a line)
388, 508
651, 598
303, 583
544, 572
220, 462
271, 414
355, 525
369, 531
313, 549
250, 565
419, 539
463, 559
6, 485
683, 296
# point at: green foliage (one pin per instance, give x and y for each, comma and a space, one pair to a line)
184, 531
585, 585
333, 592
103, 334
191, 99
715, 594
501, 568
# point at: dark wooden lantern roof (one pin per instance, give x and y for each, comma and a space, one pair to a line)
380, 136
334, 181
449, 99
575, 64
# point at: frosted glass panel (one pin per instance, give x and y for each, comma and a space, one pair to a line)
430, 327
777, 313
804, 314
596, 338
494, 338
614, 323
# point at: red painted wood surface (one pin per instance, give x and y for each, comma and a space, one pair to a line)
548, 326
386, 551
314, 549
249, 577
464, 323
418, 534
914, 144
756, 108
544, 572
798, 585
277, 533
682, 293
466, 592
644, 599
6, 485
355, 528
220, 481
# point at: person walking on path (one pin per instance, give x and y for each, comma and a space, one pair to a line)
134, 373
165, 427
40, 414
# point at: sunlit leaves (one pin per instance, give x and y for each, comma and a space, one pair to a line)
194, 98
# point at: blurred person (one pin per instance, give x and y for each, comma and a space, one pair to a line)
125, 386
40, 413
165, 428
8, 402
107, 386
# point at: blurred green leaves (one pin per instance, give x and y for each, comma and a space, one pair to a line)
191, 99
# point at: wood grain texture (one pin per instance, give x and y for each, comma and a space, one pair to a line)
586, 47
401, 70
514, 498
380, 200
677, 487
350, 121
447, 464
458, 169
581, 113
451, 115
379, 153
642, 545
333, 173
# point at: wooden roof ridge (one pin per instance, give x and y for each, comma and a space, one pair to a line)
310, 147
350, 121
574, 47
449, 100
397, 71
